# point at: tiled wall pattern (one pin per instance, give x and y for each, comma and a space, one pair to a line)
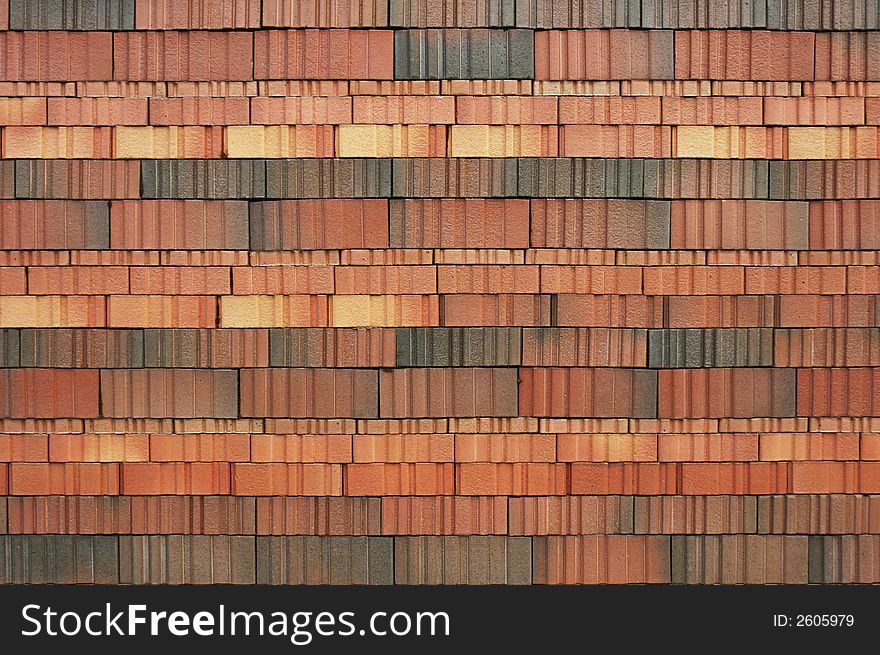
440, 291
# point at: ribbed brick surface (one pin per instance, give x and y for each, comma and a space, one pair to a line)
439, 292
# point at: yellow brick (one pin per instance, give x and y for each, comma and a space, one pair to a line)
279, 141
56, 142
496, 141
390, 141
51, 311
272, 311
383, 311
695, 141
806, 143
189, 141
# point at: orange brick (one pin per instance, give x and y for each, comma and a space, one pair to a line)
735, 478
742, 447
784, 446
713, 110
97, 111
99, 448
398, 448
642, 478
301, 448
72, 280
615, 141
24, 448
504, 110
12, 281
795, 279
517, 479
310, 110
199, 111
404, 110
495, 309
199, 447
606, 447
32, 479
407, 479
505, 448
814, 111
693, 280
591, 279
616, 110
835, 477
488, 279
22, 111
175, 478
591, 310
179, 280
392, 280
162, 311
283, 280
863, 279
287, 479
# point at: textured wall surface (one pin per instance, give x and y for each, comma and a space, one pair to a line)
440, 291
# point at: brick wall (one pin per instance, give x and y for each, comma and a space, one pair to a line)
458, 291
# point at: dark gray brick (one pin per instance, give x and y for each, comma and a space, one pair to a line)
203, 178
82, 348
328, 178
9, 347
455, 178
452, 13
58, 559
71, 14
325, 560
186, 559
710, 347
450, 346
472, 559
7, 179
436, 54
203, 347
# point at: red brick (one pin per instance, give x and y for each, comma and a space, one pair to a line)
286, 479
301, 448
418, 479
169, 393
32, 479
73, 280
444, 392
602, 559
776, 280
827, 311
505, 448
735, 478
609, 311
712, 110
48, 393
603, 54
61, 56
444, 515
584, 347
503, 110
606, 447
719, 392
179, 280
22, 111
744, 55
609, 110
175, 478
390, 110
827, 347
846, 56
12, 281
318, 393
599, 392
459, 223
199, 111
845, 225
642, 478
495, 310
721, 311
310, 110
98, 448
835, 477
24, 448
196, 14
97, 111
273, 280
387, 279
488, 279
182, 56
517, 479
199, 447
320, 224
325, 13
814, 111
694, 280
179, 224
611, 141
323, 54
838, 392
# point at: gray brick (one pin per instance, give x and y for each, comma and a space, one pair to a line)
75, 179
9, 347
7, 179
471, 346
818, 180
82, 348
473, 559
435, 54
186, 559
455, 177
710, 347
325, 560
203, 178
58, 559
328, 178
204, 348
71, 14
332, 347
740, 559
452, 13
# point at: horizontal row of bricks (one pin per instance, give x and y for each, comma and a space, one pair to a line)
214, 14
474, 559
438, 347
438, 223
467, 110
439, 447
439, 392
440, 54
441, 515
439, 479
327, 141
419, 280
587, 310
560, 177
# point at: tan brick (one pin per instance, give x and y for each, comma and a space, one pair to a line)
391, 140
51, 311
190, 142
383, 311
279, 141
57, 142
273, 311
504, 141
